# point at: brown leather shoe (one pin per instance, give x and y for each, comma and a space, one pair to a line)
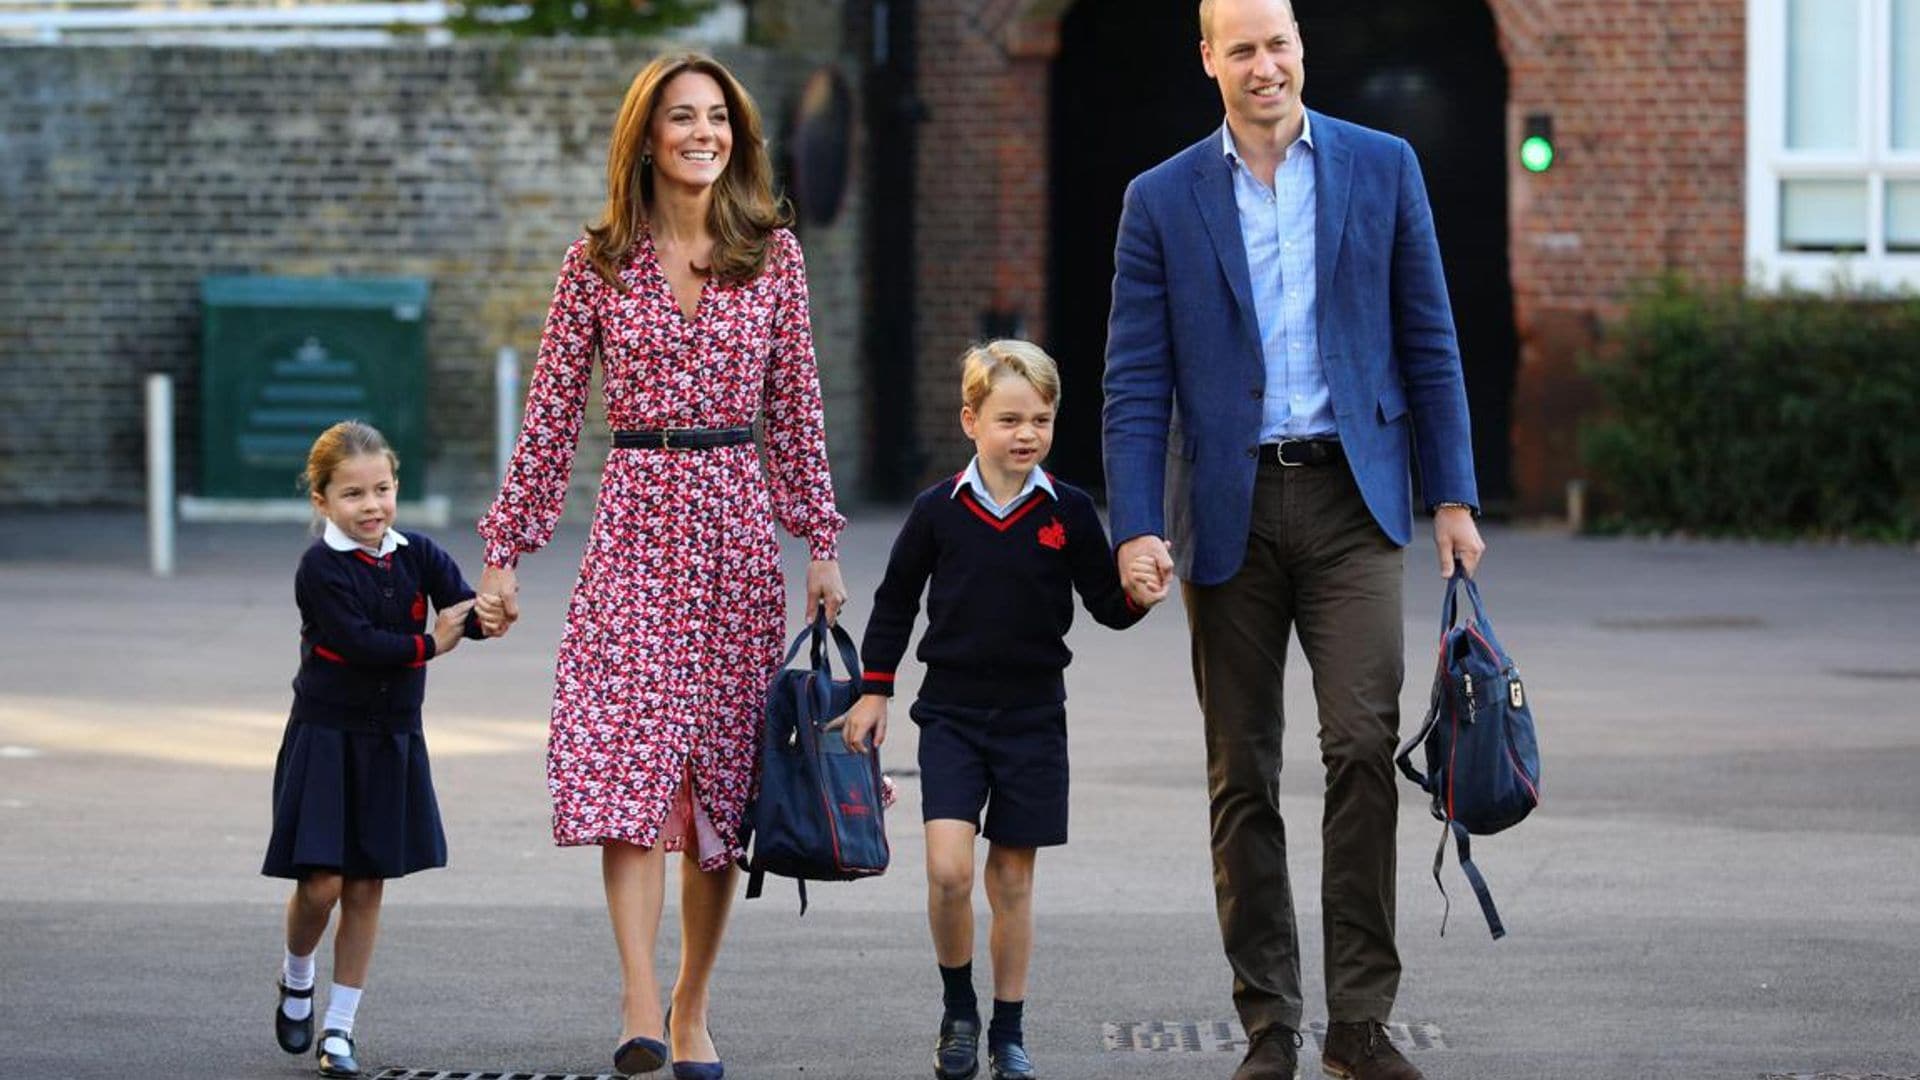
1359, 1050
1272, 1054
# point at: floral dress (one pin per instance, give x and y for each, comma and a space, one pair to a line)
678, 617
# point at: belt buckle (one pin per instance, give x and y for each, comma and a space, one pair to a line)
666, 438
1280, 453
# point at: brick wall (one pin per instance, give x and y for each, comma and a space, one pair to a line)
1649, 110
128, 174
981, 200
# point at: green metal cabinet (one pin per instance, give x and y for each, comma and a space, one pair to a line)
282, 359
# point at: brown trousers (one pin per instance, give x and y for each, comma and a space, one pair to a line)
1317, 564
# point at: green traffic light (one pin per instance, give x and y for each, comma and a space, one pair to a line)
1536, 154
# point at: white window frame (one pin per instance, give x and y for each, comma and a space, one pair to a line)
1874, 160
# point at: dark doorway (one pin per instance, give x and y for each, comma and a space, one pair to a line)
1128, 91
893, 115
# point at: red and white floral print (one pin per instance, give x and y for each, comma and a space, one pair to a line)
677, 618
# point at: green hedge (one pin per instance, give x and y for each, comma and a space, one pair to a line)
1769, 416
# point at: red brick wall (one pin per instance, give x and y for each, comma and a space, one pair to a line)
1648, 99
982, 195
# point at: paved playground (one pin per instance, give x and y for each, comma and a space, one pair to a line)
1723, 882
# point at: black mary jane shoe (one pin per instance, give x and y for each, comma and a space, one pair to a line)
1009, 1061
344, 1065
294, 1036
957, 1055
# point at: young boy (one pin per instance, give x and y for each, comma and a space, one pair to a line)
1005, 547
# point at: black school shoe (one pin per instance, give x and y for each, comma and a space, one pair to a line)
1009, 1061
337, 1065
294, 1036
957, 1055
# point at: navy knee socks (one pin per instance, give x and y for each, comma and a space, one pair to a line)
956, 992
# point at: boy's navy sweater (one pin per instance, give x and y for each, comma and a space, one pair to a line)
363, 655
1001, 598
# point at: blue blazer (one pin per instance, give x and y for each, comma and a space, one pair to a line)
1185, 375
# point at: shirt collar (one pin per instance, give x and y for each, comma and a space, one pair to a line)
1038, 478
1232, 152
338, 540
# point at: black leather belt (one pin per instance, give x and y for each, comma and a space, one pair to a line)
682, 438
1296, 452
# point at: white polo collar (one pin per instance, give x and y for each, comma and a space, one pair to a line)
338, 540
1036, 480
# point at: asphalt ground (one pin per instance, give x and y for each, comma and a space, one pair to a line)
1723, 880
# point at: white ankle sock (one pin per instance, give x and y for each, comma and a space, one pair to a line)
296, 973
342, 1003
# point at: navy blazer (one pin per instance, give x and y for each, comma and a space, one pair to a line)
1185, 374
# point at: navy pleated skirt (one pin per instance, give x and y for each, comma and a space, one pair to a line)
355, 802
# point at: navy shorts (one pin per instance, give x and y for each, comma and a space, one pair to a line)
1010, 762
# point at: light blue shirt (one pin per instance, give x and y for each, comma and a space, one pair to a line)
1036, 481
1276, 227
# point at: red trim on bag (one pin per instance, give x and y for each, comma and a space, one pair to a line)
1522, 774
325, 653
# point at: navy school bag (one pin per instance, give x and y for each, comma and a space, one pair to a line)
817, 815
1482, 757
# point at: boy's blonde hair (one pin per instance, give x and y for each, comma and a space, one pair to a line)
985, 363
346, 439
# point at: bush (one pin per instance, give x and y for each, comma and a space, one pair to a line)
1784, 415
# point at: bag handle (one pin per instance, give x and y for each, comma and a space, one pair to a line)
822, 661
1450, 610
815, 633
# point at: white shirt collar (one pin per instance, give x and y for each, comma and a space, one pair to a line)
1037, 479
338, 540
1232, 151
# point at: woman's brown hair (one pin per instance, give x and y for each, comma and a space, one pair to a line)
744, 211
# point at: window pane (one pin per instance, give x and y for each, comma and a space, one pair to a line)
1903, 215
1823, 215
1906, 74
1823, 74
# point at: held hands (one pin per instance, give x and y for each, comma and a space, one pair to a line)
1456, 536
1146, 569
449, 626
868, 716
1144, 582
499, 600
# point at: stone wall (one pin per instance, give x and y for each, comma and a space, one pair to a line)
127, 174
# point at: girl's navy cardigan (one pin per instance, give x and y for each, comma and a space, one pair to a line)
363, 649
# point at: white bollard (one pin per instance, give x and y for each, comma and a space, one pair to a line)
506, 408
160, 474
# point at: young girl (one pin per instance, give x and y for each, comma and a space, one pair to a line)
353, 799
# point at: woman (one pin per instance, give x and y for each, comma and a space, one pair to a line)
693, 294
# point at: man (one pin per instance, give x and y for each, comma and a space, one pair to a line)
1280, 341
